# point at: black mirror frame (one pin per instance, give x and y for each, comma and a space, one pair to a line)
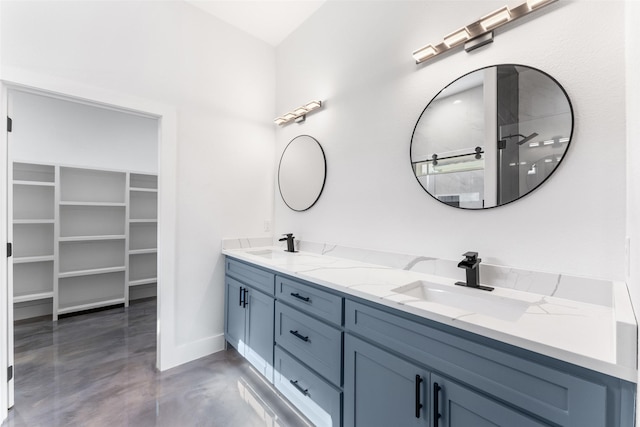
527, 193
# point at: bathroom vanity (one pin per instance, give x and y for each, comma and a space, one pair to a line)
357, 344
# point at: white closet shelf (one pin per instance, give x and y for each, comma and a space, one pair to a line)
143, 251
143, 220
35, 183
34, 221
91, 272
32, 297
29, 259
72, 203
90, 305
92, 238
143, 281
143, 190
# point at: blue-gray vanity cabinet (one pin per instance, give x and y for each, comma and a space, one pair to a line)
382, 389
318, 302
314, 396
459, 406
312, 341
249, 315
520, 383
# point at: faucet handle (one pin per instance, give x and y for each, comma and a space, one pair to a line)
471, 256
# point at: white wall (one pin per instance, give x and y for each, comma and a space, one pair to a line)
50, 130
356, 56
632, 15
221, 83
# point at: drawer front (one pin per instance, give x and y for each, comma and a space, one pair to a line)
315, 343
312, 300
316, 398
548, 393
252, 276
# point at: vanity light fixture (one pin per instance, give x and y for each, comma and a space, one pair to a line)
496, 18
534, 4
298, 114
457, 37
424, 53
480, 32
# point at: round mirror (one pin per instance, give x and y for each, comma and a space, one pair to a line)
491, 136
302, 173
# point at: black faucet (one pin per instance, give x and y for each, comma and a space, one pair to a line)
471, 264
289, 238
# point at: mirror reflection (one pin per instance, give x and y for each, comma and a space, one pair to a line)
302, 173
492, 136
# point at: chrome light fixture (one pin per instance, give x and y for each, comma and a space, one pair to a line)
298, 114
480, 32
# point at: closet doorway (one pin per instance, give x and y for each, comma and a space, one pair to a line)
82, 207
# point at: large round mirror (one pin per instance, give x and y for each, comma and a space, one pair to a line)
302, 173
491, 136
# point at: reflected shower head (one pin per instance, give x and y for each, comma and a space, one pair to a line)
527, 138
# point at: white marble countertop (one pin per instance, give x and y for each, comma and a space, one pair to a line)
598, 337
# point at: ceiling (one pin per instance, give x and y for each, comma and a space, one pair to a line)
268, 20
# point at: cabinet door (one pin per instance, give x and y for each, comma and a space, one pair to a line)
235, 314
458, 406
381, 389
259, 332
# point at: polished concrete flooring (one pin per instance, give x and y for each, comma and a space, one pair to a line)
98, 369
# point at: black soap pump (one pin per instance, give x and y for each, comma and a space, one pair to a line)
289, 238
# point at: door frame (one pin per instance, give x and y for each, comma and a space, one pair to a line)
166, 116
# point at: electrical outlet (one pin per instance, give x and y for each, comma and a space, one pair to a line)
267, 225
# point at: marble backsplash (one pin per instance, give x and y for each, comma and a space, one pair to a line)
593, 291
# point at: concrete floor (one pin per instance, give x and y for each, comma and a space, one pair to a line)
98, 369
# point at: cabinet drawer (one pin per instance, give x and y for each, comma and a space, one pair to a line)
556, 396
310, 299
314, 342
252, 276
316, 398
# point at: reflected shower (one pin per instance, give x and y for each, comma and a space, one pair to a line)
502, 144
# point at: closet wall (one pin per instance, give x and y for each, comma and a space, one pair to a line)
87, 140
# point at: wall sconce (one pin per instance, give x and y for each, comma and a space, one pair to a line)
299, 114
480, 32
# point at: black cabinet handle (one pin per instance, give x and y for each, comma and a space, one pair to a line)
304, 391
245, 301
436, 404
240, 295
302, 337
297, 295
418, 400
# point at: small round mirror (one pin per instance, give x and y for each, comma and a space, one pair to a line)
302, 173
491, 136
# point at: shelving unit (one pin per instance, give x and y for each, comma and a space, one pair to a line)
92, 239
34, 249
143, 235
82, 237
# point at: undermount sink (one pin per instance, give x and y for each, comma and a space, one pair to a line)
265, 253
467, 299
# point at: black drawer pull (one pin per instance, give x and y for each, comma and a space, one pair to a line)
240, 294
300, 297
418, 400
245, 300
302, 337
304, 391
436, 404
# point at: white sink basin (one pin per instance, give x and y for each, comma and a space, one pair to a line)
467, 299
266, 253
